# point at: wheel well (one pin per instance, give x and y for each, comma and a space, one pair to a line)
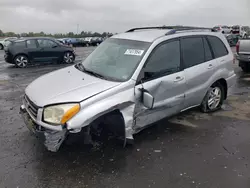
68, 51
21, 54
112, 121
223, 82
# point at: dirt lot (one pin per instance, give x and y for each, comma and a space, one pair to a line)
190, 150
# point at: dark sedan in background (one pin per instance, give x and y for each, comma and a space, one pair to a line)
38, 50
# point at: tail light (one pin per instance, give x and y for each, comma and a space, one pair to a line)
238, 47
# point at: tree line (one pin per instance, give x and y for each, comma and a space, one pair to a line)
56, 35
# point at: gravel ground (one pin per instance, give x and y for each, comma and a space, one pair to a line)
189, 150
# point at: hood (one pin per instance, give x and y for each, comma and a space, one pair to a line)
66, 85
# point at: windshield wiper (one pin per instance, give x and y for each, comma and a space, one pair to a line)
81, 67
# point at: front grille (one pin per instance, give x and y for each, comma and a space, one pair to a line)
31, 107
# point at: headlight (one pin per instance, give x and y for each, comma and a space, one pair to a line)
60, 114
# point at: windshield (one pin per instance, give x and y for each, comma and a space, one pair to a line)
116, 59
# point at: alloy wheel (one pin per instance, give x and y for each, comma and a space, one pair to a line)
214, 98
21, 61
68, 57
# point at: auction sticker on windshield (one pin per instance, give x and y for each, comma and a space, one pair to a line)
134, 52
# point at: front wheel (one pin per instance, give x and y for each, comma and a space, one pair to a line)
21, 61
68, 57
213, 99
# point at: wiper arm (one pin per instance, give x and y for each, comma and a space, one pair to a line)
94, 74
81, 67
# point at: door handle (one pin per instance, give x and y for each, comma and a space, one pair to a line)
210, 66
178, 79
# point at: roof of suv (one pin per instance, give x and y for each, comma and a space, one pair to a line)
149, 34
143, 35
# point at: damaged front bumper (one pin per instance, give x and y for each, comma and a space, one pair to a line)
52, 139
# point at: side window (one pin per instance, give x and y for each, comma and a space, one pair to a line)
218, 46
165, 60
208, 53
20, 44
192, 51
44, 43
31, 44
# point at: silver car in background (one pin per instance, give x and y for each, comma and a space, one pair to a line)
243, 54
130, 81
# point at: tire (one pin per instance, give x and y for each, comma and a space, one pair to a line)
244, 66
245, 69
21, 61
214, 98
1, 47
68, 57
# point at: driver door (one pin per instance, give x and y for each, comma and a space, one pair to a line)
163, 78
48, 51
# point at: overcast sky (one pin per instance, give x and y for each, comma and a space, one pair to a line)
59, 16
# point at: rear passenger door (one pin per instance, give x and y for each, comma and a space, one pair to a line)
32, 49
199, 66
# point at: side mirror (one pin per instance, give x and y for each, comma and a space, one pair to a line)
147, 100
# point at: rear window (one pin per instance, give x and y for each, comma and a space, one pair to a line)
218, 46
20, 44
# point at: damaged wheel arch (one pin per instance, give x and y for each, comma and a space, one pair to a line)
113, 122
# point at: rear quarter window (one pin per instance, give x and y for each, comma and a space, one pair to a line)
218, 46
20, 44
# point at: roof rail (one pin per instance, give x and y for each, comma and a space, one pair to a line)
143, 28
173, 29
189, 29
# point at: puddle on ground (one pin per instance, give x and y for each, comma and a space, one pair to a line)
4, 76
234, 108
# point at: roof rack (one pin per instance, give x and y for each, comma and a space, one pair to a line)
173, 29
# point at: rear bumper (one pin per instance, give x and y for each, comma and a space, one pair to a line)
8, 58
245, 58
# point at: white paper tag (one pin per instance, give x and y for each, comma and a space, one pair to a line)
134, 52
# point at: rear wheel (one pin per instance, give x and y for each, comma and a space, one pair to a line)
1, 47
68, 57
21, 61
213, 99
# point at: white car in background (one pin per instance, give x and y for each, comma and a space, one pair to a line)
243, 31
5, 42
223, 29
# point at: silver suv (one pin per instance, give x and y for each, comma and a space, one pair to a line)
130, 81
